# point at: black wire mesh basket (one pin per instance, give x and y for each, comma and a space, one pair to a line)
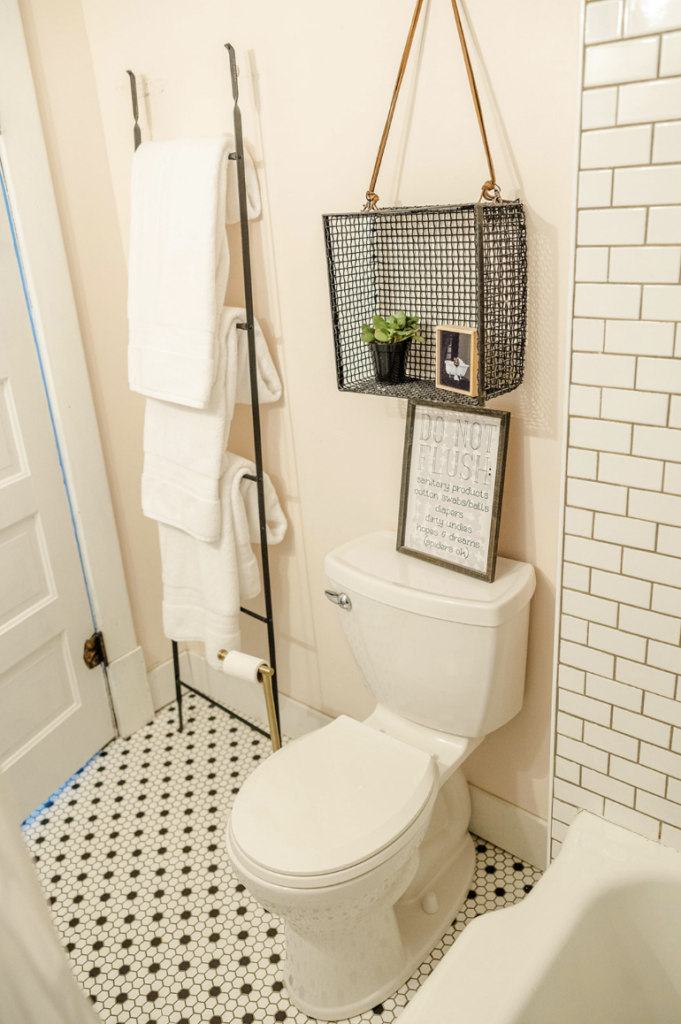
463, 265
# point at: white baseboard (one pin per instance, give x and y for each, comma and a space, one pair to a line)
512, 828
247, 699
499, 822
132, 704
244, 698
162, 680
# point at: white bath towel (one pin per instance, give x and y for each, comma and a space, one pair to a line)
204, 584
184, 448
183, 193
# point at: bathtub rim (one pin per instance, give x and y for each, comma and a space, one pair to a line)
518, 945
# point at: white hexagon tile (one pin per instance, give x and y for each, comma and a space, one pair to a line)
158, 929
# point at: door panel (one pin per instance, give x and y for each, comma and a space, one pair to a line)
12, 455
54, 711
25, 577
30, 707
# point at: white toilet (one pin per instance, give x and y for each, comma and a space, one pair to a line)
357, 834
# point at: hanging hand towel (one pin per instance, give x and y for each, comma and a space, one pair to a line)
204, 584
179, 263
184, 448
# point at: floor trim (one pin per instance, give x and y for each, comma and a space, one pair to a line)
132, 702
512, 828
162, 680
246, 698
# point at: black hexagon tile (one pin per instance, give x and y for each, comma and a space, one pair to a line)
130, 854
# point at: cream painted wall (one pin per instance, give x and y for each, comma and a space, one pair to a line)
316, 81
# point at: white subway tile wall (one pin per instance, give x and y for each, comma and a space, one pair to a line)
603, 21
599, 107
667, 145
670, 59
664, 224
618, 743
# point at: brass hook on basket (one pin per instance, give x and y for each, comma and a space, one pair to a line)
491, 192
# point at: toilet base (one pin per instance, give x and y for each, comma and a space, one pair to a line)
388, 945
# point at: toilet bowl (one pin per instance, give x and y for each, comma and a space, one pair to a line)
356, 835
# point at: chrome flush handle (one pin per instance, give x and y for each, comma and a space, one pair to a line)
342, 600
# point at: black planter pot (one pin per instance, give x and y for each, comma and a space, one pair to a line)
389, 361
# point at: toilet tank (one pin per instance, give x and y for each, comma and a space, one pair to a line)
440, 648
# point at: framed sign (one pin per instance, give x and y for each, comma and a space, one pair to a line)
452, 485
456, 359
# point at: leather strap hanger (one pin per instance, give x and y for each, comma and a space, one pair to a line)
490, 190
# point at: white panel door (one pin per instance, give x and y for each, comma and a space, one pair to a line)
54, 711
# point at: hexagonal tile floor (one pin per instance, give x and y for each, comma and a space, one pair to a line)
158, 929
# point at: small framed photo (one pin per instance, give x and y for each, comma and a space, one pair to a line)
456, 355
452, 486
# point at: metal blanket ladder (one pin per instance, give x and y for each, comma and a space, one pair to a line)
249, 327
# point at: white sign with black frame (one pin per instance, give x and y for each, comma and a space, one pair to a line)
452, 486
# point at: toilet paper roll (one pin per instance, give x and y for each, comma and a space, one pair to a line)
242, 666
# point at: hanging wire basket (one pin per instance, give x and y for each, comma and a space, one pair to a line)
447, 265
463, 265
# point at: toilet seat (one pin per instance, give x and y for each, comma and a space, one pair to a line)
331, 806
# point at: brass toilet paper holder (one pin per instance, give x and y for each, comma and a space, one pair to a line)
265, 675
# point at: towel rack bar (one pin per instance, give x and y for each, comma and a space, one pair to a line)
254, 615
252, 363
137, 132
232, 714
178, 684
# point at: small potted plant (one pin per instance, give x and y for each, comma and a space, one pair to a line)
389, 340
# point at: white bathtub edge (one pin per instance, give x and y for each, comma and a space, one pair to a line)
498, 962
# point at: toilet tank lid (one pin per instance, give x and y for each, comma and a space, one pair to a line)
372, 566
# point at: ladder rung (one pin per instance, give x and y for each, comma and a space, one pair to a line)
254, 615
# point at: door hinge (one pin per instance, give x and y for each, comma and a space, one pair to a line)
94, 651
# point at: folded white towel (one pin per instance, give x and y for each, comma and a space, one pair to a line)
184, 448
179, 263
205, 583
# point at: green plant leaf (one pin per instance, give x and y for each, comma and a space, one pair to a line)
393, 328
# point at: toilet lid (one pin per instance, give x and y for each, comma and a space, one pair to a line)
331, 799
